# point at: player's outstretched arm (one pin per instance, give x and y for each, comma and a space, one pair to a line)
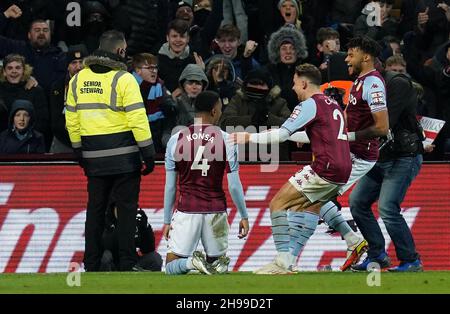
273, 136
299, 137
237, 195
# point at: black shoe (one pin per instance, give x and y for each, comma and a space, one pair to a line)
139, 268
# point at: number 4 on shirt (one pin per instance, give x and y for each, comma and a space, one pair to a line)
203, 166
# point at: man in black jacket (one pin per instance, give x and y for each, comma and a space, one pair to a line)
58, 93
399, 163
147, 257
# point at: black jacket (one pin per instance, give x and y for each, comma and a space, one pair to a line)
170, 68
57, 116
148, 21
283, 75
402, 108
202, 36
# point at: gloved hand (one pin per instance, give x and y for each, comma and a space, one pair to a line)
149, 166
79, 156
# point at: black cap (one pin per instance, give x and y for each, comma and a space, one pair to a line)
76, 52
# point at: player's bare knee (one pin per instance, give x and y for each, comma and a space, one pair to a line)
171, 257
272, 205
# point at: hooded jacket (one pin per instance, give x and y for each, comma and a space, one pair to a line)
227, 88
32, 141
185, 105
283, 74
287, 33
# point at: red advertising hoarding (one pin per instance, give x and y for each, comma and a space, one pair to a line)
42, 214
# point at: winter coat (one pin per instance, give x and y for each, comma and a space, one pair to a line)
185, 110
226, 88
57, 112
283, 75
202, 36
240, 111
148, 21
33, 142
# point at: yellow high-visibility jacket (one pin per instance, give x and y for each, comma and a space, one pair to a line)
106, 118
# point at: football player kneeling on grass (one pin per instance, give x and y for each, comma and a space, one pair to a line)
199, 156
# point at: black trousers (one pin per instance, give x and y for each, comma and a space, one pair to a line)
124, 189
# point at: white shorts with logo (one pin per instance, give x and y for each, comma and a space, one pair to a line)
359, 169
312, 186
188, 229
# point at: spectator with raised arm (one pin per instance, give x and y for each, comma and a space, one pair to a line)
49, 62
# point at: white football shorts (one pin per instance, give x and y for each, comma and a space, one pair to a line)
188, 229
359, 169
312, 186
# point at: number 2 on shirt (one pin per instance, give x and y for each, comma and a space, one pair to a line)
337, 114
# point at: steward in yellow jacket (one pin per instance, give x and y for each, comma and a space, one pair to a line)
109, 130
106, 117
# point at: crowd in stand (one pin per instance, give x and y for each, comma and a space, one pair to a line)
246, 50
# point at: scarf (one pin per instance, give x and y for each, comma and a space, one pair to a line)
153, 97
255, 93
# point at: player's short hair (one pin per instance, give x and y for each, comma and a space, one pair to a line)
206, 101
366, 44
309, 71
111, 40
325, 33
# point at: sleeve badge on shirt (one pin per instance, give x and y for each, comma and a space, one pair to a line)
377, 98
295, 113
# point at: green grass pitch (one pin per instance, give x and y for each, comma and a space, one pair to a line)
233, 283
